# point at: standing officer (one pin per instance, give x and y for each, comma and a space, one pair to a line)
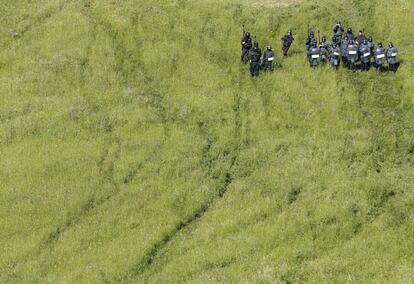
392, 53
311, 40
360, 38
335, 53
287, 42
246, 43
379, 55
338, 32
255, 54
268, 58
365, 54
314, 55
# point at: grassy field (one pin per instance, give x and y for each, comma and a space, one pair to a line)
135, 148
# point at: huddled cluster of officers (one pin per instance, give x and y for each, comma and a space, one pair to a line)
349, 49
252, 52
345, 48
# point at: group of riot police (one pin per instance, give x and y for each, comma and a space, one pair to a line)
349, 49
252, 52
345, 48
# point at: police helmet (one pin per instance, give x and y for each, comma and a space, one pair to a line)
350, 30
391, 44
379, 44
247, 34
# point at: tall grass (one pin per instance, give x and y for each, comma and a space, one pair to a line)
135, 148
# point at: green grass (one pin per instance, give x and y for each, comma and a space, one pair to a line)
135, 148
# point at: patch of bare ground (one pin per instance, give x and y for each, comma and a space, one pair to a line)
272, 3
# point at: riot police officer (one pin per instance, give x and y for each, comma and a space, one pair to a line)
268, 58
392, 53
350, 34
323, 48
335, 55
287, 42
246, 43
255, 55
338, 32
360, 38
314, 55
352, 54
311, 41
379, 55
344, 51
371, 44
365, 54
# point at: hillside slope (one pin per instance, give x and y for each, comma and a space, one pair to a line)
135, 148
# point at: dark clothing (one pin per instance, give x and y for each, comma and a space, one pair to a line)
287, 42
246, 44
323, 52
360, 39
268, 58
314, 54
255, 55
254, 69
379, 55
352, 54
337, 40
245, 55
335, 54
338, 32
344, 51
350, 36
371, 47
392, 53
365, 52
310, 42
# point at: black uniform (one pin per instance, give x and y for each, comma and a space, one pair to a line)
255, 54
268, 58
323, 48
311, 41
335, 53
365, 54
314, 55
392, 53
379, 56
246, 43
360, 38
287, 42
338, 32
352, 54
371, 45
350, 34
